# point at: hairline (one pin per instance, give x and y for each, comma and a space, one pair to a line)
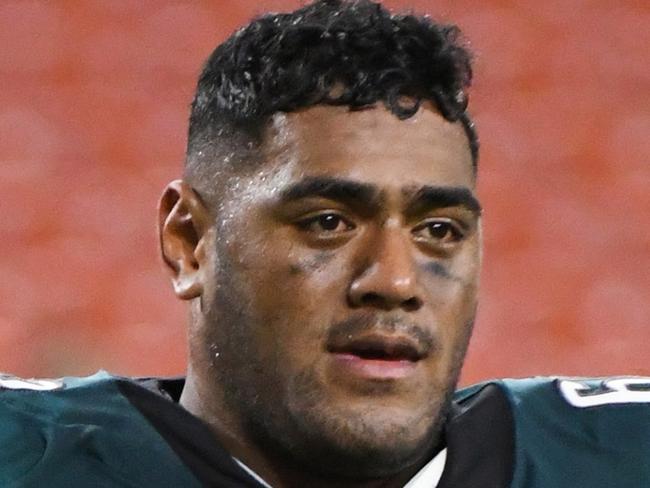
242, 160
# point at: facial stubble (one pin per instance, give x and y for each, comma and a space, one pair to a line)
289, 415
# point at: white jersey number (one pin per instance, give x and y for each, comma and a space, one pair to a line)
611, 391
14, 383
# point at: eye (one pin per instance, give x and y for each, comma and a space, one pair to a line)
439, 232
326, 223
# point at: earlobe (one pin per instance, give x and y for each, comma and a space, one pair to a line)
182, 225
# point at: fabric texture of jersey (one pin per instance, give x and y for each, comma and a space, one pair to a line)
107, 431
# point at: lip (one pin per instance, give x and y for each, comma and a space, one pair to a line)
388, 347
376, 355
377, 369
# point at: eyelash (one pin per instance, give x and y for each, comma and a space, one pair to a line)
307, 223
452, 233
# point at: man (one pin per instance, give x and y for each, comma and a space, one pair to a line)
327, 236
330, 250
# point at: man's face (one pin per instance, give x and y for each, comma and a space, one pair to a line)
344, 286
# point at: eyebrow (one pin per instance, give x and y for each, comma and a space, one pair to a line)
419, 198
347, 191
426, 197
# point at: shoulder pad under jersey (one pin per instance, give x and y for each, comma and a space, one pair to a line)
80, 432
578, 432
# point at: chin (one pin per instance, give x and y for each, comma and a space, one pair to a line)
360, 436
365, 443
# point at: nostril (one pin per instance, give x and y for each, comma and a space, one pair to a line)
411, 304
373, 300
377, 300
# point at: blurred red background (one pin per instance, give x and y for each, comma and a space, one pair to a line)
93, 105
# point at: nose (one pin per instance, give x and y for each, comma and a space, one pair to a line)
388, 280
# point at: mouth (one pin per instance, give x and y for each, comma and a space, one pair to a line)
379, 347
377, 356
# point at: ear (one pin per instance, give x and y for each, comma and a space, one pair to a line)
183, 221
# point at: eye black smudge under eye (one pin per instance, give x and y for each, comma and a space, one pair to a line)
312, 263
435, 268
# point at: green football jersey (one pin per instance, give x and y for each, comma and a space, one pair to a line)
591, 433
550, 433
107, 431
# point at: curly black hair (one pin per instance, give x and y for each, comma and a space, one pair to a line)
337, 52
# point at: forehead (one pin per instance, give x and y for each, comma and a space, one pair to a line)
372, 146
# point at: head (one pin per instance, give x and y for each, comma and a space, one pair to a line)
327, 235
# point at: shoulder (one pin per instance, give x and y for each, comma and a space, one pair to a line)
65, 404
569, 391
570, 395
615, 409
52, 429
59, 400
35, 413
50, 400
594, 429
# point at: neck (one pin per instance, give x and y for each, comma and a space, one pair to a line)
277, 472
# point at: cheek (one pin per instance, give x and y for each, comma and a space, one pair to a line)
452, 294
458, 322
300, 281
306, 265
450, 285
293, 299
436, 269
453, 282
